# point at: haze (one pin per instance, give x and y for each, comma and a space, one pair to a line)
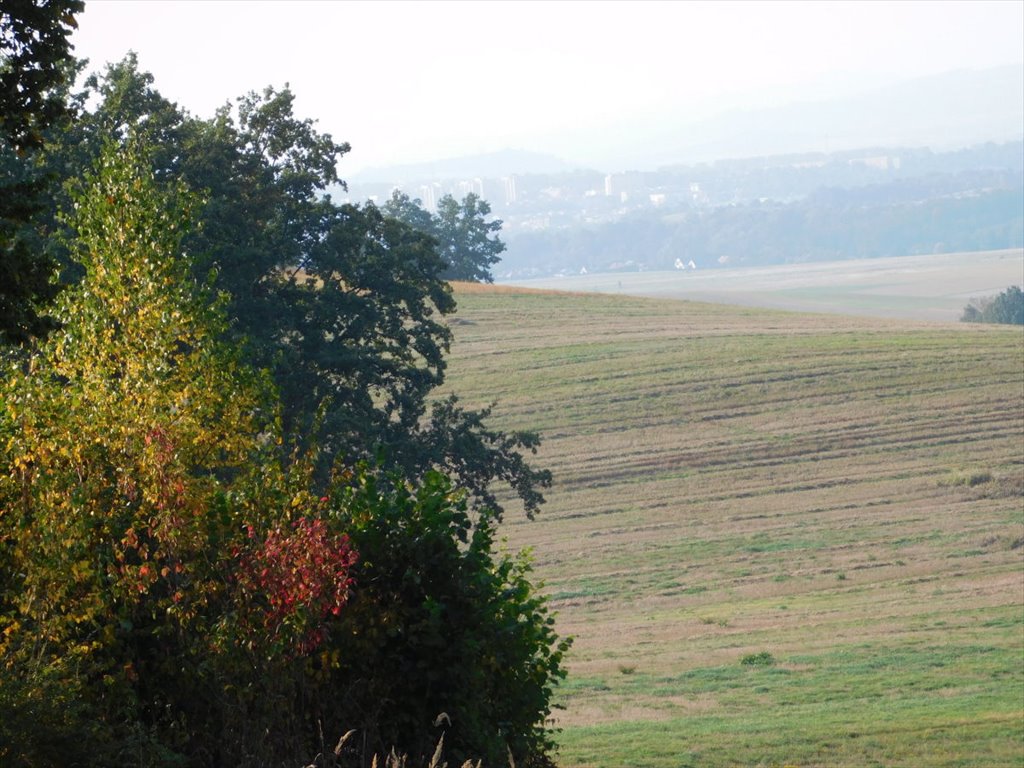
413, 82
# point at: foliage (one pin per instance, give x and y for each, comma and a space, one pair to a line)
462, 232
303, 570
34, 53
459, 442
138, 460
34, 65
234, 406
27, 285
344, 304
1007, 308
439, 623
173, 588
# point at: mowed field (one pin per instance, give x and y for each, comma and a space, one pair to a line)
777, 539
934, 287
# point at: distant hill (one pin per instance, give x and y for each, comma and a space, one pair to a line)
945, 111
488, 165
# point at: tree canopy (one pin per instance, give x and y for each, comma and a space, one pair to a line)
1007, 308
35, 57
467, 242
35, 65
234, 516
344, 304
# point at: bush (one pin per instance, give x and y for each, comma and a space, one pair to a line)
439, 623
762, 659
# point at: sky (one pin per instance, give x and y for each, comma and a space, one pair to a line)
418, 81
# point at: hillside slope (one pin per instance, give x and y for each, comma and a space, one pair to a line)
838, 502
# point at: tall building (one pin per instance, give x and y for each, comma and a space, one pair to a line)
427, 197
510, 189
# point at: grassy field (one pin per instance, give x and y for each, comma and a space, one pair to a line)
934, 287
778, 539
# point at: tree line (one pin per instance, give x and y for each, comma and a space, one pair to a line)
235, 521
1007, 308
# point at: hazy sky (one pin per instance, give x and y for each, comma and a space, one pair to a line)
410, 81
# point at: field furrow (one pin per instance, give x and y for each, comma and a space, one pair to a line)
777, 538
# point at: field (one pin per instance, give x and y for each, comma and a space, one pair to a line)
916, 287
778, 539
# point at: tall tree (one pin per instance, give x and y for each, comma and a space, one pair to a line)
173, 534
171, 595
117, 434
345, 304
35, 62
467, 241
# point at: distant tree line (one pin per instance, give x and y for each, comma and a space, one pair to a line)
891, 220
1007, 308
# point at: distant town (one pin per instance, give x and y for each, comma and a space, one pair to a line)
671, 218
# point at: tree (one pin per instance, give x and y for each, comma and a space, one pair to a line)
102, 429
175, 590
410, 211
1006, 308
34, 56
27, 273
461, 230
35, 63
149, 541
465, 237
342, 303
971, 314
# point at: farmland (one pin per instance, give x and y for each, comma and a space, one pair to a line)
778, 539
934, 287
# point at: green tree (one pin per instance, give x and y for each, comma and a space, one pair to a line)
35, 63
1007, 308
463, 632
410, 211
34, 56
467, 242
344, 304
466, 238
28, 282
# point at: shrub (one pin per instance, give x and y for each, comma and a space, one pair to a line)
762, 659
439, 623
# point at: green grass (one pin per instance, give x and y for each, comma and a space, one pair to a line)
845, 495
